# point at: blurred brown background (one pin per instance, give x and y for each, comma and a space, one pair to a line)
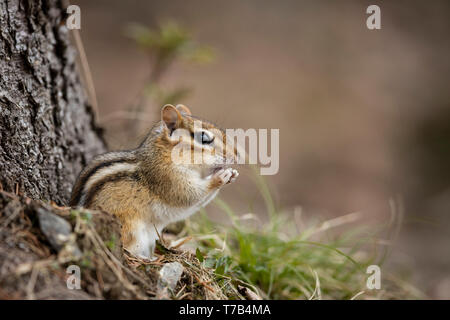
363, 114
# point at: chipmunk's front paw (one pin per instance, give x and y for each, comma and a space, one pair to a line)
224, 176
234, 175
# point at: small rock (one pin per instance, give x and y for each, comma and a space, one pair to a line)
56, 229
247, 293
169, 275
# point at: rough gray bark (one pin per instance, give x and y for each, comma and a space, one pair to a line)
47, 130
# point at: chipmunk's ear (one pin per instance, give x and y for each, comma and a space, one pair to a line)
183, 109
171, 117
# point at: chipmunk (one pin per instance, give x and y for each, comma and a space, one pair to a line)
146, 189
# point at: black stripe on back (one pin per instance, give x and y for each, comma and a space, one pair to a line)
77, 191
111, 178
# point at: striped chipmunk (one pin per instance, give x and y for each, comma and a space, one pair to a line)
147, 188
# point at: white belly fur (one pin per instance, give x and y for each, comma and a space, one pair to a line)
145, 233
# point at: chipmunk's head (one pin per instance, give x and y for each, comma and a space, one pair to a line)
195, 143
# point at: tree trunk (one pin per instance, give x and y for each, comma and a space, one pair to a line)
47, 129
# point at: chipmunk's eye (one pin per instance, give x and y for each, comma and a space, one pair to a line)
204, 137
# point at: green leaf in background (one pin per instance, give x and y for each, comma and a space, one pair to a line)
199, 255
168, 41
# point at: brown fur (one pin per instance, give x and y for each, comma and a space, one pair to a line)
128, 200
129, 195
